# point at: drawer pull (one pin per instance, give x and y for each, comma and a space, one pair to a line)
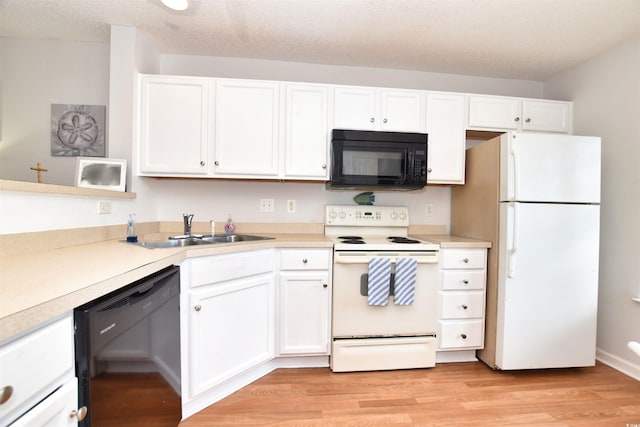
80, 414
463, 336
464, 306
465, 260
197, 307
324, 285
304, 260
465, 281
5, 394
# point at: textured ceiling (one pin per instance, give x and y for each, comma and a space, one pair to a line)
521, 39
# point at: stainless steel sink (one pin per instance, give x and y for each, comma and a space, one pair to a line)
223, 238
174, 243
181, 241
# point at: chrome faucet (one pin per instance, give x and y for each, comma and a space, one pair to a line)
187, 218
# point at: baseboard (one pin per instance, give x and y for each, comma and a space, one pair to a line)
456, 356
619, 364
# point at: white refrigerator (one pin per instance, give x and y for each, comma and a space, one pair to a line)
536, 197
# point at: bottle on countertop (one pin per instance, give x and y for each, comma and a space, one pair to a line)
229, 227
131, 234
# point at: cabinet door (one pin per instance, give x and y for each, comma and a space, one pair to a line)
307, 132
247, 122
57, 410
494, 112
231, 329
355, 108
402, 111
304, 313
174, 119
546, 116
445, 126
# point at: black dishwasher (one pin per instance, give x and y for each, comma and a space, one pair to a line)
135, 329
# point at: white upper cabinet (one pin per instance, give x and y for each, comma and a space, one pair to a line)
247, 129
173, 126
546, 116
445, 126
505, 113
494, 112
379, 109
307, 132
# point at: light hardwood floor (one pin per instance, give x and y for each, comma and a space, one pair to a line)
456, 394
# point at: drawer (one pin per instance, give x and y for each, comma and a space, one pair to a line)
305, 259
221, 268
34, 364
55, 410
460, 334
453, 280
461, 305
464, 258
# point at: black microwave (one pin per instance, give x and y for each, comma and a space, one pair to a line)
378, 160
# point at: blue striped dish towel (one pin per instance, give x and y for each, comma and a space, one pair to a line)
405, 283
379, 281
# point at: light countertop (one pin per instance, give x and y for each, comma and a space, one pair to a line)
36, 287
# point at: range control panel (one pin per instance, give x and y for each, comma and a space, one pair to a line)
373, 216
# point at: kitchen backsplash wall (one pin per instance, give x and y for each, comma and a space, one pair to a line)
215, 199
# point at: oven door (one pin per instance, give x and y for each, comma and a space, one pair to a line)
353, 317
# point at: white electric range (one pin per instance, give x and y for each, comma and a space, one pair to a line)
388, 335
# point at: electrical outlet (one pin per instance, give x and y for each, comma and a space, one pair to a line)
291, 206
104, 208
428, 211
266, 205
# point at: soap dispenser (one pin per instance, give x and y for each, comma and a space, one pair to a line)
229, 227
131, 235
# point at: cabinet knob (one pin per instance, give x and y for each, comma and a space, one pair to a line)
197, 307
324, 285
324, 166
464, 306
201, 162
517, 119
304, 260
372, 120
465, 281
80, 414
217, 163
429, 170
384, 120
528, 120
463, 336
465, 260
5, 394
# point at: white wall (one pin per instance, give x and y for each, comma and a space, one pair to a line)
33, 75
606, 96
244, 68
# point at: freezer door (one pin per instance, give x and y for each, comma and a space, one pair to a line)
547, 285
549, 168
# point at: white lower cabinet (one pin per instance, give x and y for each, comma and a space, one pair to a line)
231, 328
227, 317
462, 299
235, 322
57, 410
37, 381
304, 301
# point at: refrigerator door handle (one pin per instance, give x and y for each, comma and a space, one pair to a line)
516, 167
511, 270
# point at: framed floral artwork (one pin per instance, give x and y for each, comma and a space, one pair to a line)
78, 130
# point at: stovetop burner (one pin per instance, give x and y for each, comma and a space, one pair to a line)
352, 240
398, 239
